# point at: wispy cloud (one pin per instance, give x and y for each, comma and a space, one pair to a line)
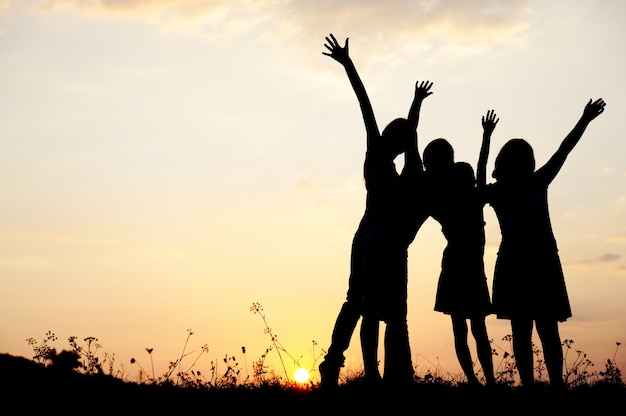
604, 258
608, 257
182, 16
185, 8
453, 20
464, 21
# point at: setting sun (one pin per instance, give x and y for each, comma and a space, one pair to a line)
301, 375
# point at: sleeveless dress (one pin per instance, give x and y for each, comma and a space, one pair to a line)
528, 277
462, 288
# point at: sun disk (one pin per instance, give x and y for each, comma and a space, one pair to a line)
301, 375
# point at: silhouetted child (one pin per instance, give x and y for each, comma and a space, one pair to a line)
529, 286
462, 291
377, 286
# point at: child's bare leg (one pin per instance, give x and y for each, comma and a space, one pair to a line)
483, 347
459, 329
548, 331
523, 350
398, 368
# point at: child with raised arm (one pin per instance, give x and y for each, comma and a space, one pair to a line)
377, 286
456, 203
528, 283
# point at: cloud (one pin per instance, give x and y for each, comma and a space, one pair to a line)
605, 258
457, 21
608, 257
190, 17
461, 20
186, 8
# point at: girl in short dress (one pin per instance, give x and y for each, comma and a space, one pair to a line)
462, 291
528, 284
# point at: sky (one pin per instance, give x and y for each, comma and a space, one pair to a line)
165, 165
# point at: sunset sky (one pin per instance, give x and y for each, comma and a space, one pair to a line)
165, 164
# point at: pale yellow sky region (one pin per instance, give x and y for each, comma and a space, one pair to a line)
166, 164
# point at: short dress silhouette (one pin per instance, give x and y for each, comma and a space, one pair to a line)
462, 288
528, 277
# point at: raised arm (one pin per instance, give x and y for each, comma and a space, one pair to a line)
489, 122
341, 55
552, 167
422, 90
412, 160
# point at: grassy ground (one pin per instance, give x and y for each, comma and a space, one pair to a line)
31, 388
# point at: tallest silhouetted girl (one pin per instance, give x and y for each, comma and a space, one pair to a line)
377, 286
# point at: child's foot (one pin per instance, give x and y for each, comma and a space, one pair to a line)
329, 374
372, 379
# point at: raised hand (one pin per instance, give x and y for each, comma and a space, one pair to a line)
489, 122
593, 109
338, 53
422, 89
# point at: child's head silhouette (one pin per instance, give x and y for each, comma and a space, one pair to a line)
463, 175
438, 155
396, 136
515, 160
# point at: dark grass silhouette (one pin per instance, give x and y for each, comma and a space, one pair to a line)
85, 379
29, 387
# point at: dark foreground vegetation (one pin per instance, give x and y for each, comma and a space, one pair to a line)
29, 387
84, 379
